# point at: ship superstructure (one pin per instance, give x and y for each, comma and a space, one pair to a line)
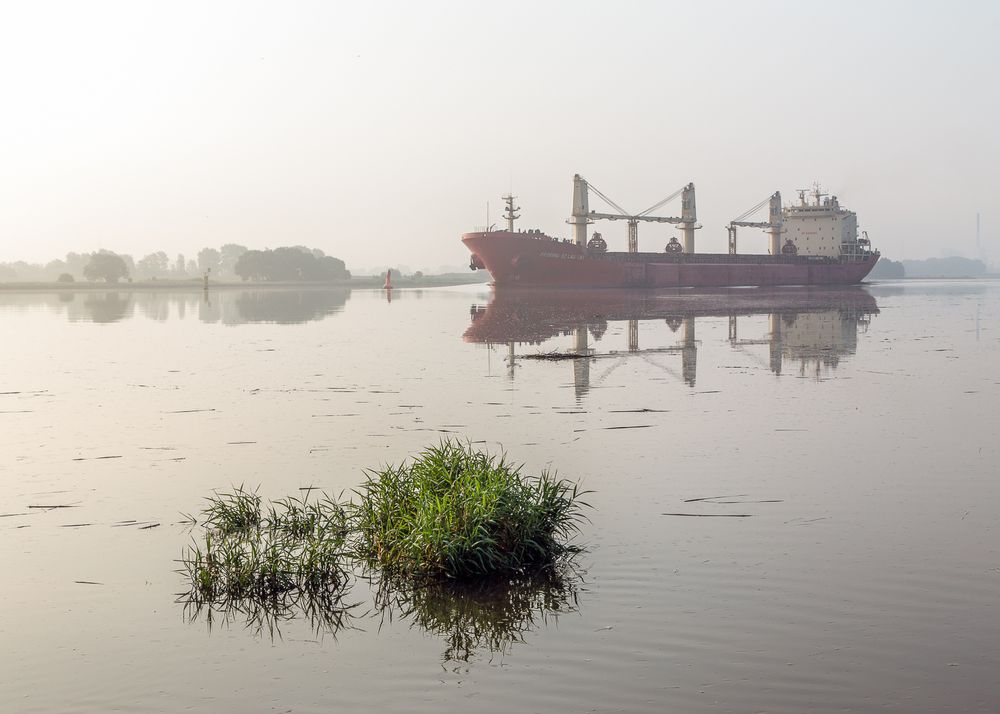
822, 227
809, 244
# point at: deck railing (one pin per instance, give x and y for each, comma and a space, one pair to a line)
725, 258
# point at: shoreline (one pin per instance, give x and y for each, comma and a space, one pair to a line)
430, 281
361, 283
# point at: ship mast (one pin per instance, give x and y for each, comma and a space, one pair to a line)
817, 194
510, 211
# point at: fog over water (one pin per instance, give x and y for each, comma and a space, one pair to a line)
378, 133
794, 496
791, 492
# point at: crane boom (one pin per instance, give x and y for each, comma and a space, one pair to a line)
773, 225
582, 215
617, 217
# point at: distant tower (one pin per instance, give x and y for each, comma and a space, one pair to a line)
979, 245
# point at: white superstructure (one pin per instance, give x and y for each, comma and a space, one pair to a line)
821, 227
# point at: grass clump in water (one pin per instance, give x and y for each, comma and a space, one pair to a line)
455, 512
228, 513
268, 562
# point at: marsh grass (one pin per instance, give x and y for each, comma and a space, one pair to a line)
460, 543
454, 512
232, 512
268, 563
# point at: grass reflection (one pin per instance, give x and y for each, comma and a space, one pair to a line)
325, 609
489, 615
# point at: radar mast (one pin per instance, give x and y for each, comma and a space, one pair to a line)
510, 211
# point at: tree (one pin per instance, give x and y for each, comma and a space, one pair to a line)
209, 259
886, 268
75, 262
154, 265
66, 278
105, 266
289, 264
129, 263
55, 268
229, 254
180, 267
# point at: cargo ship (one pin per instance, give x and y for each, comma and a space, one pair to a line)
813, 242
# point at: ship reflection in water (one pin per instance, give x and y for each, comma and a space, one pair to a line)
812, 328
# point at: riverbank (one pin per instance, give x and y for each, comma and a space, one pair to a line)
375, 281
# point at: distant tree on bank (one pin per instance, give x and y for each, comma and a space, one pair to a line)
105, 266
886, 268
75, 262
66, 278
950, 267
291, 264
228, 255
209, 260
295, 263
154, 265
55, 268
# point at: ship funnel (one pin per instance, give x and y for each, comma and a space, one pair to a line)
581, 210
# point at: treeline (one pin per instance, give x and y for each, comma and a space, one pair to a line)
886, 269
229, 262
951, 267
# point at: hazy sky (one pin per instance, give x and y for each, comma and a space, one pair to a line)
378, 131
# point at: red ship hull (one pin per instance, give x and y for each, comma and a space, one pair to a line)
536, 260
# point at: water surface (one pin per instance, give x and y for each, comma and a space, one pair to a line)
795, 495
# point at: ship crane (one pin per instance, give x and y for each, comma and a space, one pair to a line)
773, 225
583, 216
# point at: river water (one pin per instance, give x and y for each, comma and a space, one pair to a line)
795, 496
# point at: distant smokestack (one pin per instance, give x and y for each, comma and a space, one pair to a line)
979, 246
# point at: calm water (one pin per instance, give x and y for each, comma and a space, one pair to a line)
853, 431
